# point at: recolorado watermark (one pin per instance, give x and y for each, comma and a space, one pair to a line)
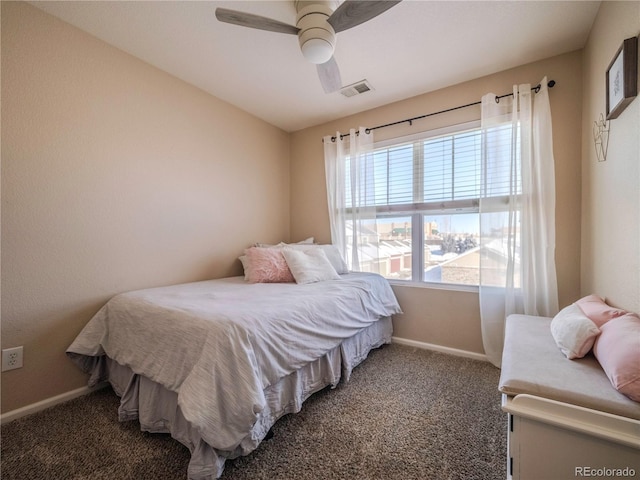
604, 472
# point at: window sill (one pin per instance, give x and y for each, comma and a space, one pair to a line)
435, 286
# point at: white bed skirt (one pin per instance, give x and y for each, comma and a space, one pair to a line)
158, 411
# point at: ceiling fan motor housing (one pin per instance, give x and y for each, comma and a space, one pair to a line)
316, 36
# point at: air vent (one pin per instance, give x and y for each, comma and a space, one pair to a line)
356, 88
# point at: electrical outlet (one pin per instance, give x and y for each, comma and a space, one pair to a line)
11, 358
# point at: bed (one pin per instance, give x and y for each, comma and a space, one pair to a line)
216, 363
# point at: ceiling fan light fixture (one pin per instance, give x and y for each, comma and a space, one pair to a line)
317, 50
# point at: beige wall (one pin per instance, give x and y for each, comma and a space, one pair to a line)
443, 317
115, 176
610, 263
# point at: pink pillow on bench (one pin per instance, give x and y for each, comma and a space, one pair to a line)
618, 351
597, 310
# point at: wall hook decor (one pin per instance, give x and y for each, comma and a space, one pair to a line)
601, 137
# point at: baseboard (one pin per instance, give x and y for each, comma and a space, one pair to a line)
48, 402
440, 348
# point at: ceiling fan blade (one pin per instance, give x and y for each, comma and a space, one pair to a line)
254, 21
329, 74
355, 12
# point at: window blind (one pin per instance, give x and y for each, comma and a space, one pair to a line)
437, 173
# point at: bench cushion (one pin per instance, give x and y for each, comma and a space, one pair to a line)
533, 364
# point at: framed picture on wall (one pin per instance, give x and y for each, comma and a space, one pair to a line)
622, 78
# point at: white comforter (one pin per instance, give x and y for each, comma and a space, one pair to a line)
219, 343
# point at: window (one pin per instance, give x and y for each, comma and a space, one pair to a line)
423, 194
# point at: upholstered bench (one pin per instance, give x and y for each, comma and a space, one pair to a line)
566, 420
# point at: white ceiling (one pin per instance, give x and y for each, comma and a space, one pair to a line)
413, 48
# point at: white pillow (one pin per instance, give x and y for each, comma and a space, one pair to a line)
573, 332
309, 266
334, 256
246, 266
306, 241
331, 251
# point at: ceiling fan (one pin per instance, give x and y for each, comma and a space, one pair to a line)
316, 26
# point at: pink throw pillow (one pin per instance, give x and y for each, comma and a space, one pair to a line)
267, 265
597, 310
618, 351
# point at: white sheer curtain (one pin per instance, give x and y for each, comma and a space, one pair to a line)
517, 212
349, 169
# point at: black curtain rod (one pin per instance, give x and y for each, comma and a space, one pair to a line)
536, 89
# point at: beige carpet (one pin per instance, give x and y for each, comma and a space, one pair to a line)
405, 414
